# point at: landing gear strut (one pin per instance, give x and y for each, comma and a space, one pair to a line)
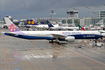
96, 42
56, 41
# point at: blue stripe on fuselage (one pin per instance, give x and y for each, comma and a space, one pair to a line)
79, 36
87, 36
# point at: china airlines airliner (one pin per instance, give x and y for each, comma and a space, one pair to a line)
68, 36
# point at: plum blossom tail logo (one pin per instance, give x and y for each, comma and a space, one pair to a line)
12, 27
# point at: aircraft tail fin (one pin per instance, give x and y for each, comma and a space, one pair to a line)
11, 26
49, 24
31, 22
81, 28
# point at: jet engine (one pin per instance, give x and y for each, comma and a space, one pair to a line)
70, 39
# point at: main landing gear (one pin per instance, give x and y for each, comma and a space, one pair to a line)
51, 41
96, 42
54, 41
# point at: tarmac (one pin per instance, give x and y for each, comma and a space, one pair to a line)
22, 54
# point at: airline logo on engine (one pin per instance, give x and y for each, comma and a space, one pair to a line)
67, 33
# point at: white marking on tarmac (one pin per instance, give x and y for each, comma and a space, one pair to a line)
94, 52
81, 55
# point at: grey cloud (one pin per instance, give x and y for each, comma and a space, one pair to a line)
41, 5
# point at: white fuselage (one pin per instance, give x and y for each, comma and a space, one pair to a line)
42, 26
61, 32
61, 27
49, 35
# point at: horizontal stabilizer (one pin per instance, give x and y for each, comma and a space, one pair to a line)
12, 34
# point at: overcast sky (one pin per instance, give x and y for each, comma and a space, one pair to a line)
42, 8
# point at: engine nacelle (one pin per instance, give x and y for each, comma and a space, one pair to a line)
70, 39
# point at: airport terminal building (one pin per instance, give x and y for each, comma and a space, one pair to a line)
71, 20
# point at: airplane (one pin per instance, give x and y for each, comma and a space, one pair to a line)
68, 36
60, 27
33, 24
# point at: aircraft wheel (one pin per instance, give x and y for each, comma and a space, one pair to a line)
51, 41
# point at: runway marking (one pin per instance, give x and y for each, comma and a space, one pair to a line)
4, 53
94, 52
80, 54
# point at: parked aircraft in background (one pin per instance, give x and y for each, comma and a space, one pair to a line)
61, 27
68, 36
37, 25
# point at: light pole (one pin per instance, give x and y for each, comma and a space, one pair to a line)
88, 11
94, 14
74, 8
88, 15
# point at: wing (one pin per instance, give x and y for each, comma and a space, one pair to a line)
59, 36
